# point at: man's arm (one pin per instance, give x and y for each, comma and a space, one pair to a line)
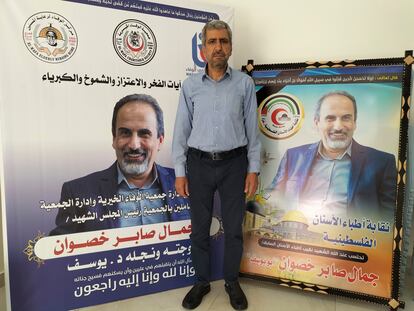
182, 131
251, 126
250, 185
181, 186
252, 134
279, 181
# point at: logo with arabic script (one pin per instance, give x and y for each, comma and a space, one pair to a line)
134, 42
197, 53
280, 116
199, 60
50, 37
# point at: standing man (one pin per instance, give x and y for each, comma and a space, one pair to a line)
216, 147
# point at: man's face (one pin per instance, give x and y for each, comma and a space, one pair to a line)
336, 124
136, 143
51, 38
217, 48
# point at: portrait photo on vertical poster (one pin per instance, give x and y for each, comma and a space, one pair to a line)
92, 214
328, 213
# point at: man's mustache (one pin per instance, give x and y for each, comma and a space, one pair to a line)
138, 151
338, 132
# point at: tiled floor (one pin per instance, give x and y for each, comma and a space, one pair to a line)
262, 297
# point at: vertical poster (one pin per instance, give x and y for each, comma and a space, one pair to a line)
327, 216
67, 231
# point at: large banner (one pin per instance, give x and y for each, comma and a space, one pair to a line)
73, 234
327, 217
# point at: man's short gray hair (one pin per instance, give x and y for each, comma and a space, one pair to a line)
215, 24
317, 114
141, 99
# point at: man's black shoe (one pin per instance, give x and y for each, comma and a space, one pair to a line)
237, 298
193, 298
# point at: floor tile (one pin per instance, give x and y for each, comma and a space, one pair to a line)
262, 296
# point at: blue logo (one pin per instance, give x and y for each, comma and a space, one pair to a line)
197, 54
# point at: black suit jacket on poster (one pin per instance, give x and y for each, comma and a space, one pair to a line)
104, 185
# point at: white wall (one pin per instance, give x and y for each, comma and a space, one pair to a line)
284, 31
1, 250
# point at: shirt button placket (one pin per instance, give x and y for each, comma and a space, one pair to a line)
216, 115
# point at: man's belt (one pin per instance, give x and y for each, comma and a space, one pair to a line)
216, 156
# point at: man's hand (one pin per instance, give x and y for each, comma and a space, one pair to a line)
250, 184
181, 186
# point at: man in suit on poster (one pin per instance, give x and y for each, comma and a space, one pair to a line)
132, 191
336, 174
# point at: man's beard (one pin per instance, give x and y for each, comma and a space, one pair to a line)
222, 63
338, 143
131, 167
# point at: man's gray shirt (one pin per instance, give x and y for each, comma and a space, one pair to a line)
216, 116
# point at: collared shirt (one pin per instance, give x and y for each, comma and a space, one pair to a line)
216, 116
144, 205
327, 186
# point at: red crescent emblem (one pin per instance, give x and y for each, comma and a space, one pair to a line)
274, 114
136, 50
202, 56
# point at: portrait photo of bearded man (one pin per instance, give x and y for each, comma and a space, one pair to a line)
336, 175
137, 137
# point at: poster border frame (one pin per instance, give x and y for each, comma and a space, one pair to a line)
394, 302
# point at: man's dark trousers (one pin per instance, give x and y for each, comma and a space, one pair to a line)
205, 176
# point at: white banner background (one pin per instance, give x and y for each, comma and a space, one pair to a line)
55, 132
